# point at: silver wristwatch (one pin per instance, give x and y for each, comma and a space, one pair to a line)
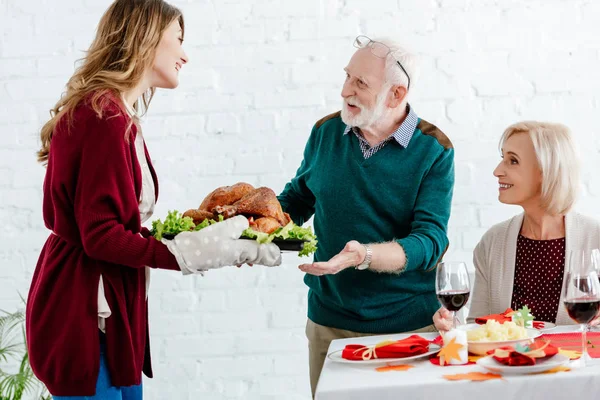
367, 261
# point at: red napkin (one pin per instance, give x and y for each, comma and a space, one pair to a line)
503, 317
411, 346
515, 358
439, 340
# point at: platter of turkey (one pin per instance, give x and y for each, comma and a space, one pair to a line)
268, 223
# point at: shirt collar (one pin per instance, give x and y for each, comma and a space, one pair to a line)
405, 131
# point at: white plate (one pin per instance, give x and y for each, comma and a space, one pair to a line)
540, 366
481, 348
336, 356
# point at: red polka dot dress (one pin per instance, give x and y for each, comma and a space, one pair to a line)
538, 276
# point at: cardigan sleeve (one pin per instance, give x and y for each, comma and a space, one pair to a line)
480, 299
105, 199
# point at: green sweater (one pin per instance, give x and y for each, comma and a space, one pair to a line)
401, 194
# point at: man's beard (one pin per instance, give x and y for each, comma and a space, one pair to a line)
367, 117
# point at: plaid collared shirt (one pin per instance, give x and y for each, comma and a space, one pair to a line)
402, 135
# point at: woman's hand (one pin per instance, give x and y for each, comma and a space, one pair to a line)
219, 245
442, 319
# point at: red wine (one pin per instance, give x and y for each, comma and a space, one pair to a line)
584, 310
453, 300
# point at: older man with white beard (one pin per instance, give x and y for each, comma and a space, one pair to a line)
378, 180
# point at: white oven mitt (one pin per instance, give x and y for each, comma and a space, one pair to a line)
219, 245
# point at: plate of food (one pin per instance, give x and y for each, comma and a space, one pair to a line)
493, 335
521, 317
336, 356
283, 244
267, 221
542, 365
288, 244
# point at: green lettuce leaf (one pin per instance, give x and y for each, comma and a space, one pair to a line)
260, 237
289, 232
174, 224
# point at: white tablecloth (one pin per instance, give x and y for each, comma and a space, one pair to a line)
348, 382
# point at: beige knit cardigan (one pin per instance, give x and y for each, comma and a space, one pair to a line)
495, 257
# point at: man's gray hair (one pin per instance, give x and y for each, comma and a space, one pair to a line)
393, 73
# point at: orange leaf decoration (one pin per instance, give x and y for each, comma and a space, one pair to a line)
473, 376
401, 367
572, 354
449, 352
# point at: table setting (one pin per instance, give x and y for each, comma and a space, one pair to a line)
507, 355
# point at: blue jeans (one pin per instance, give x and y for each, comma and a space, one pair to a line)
104, 389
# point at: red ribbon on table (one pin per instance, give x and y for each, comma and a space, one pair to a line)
572, 341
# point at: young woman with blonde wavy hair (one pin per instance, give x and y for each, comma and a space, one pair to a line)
86, 320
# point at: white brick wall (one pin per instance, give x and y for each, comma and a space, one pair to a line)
261, 72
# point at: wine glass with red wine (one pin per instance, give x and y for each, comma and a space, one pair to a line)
581, 293
452, 286
594, 324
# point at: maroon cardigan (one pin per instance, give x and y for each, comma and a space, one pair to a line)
91, 192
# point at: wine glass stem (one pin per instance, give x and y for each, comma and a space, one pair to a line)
584, 352
453, 319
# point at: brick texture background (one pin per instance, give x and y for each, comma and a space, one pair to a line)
261, 72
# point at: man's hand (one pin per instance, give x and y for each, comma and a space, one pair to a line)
353, 254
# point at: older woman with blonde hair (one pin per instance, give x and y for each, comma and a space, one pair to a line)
522, 261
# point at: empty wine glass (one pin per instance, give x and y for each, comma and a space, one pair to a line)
581, 293
452, 286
